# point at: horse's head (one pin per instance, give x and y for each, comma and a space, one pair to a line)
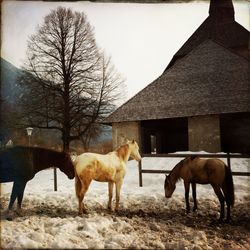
134, 150
67, 167
171, 179
169, 187
73, 156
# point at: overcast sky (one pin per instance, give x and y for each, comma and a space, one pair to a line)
140, 38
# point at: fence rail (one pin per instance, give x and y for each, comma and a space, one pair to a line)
228, 156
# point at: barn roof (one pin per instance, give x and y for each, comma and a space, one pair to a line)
209, 80
210, 74
220, 26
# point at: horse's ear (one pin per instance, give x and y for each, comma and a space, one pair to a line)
167, 179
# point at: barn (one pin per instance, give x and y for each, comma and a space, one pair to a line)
202, 99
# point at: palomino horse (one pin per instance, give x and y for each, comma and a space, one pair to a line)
20, 164
109, 168
203, 171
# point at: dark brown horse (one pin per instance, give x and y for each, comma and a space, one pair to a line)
20, 164
203, 171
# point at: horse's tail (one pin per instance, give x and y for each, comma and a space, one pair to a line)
229, 186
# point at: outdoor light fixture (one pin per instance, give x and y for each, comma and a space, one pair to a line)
29, 131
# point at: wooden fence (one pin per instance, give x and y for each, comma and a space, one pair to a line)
228, 156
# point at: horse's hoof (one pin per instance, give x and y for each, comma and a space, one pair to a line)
228, 220
19, 212
9, 215
9, 218
220, 221
110, 209
85, 211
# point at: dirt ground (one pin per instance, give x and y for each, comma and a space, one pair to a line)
179, 231
157, 227
173, 229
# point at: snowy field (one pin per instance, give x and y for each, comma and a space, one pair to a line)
146, 218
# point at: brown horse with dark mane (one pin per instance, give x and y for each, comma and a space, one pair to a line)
203, 171
20, 164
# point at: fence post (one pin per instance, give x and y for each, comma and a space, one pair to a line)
55, 179
140, 173
228, 160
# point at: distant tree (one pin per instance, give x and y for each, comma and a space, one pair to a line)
66, 83
7, 119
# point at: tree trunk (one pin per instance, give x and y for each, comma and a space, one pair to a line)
66, 139
66, 144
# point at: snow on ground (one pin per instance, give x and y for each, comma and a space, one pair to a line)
146, 218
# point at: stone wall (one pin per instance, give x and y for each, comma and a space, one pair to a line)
204, 133
125, 130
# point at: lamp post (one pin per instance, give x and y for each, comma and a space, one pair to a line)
29, 132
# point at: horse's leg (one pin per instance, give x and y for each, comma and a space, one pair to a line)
194, 196
80, 198
118, 185
17, 189
78, 188
186, 185
111, 185
221, 198
227, 202
14, 194
20, 196
85, 186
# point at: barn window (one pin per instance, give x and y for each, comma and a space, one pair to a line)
153, 144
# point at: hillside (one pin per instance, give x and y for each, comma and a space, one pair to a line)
9, 78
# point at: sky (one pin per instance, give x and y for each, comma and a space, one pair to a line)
140, 38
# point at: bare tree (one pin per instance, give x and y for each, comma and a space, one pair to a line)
112, 91
65, 88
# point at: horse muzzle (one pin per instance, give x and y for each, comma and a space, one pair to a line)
138, 159
71, 176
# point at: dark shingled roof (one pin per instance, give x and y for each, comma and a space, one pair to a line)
221, 27
209, 80
210, 74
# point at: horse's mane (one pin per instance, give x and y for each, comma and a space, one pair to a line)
122, 151
38, 152
192, 157
177, 167
37, 149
